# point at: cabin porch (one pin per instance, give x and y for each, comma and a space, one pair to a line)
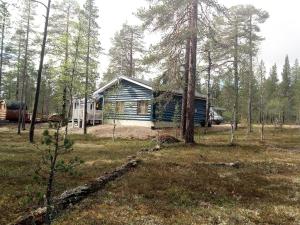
94, 113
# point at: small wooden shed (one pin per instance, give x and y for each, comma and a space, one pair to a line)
9, 110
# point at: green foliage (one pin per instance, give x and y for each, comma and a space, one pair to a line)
126, 53
68, 143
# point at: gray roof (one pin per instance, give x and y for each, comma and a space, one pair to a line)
145, 83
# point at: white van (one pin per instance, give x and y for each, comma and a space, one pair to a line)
215, 117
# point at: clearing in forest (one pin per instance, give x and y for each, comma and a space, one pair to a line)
176, 185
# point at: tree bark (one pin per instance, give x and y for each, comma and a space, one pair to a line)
131, 54
250, 78
189, 137
39, 77
18, 69
73, 74
66, 71
184, 94
1, 51
262, 113
236, 79
87, 72
21, 117
207, 119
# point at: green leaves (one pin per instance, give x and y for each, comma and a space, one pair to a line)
68, 167
68, 143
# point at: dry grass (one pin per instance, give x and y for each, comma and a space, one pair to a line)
173, 186
20, 192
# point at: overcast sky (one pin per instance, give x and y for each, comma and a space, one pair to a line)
281, 31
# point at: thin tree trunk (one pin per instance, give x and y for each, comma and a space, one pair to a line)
72, 76
262, 113
39, 77
21, 117
131, 54
1, 51
25, 101
66, 71
87, 72
189, 137
18, 69
250, 79
51, 179
236, 80
184, 94
207, 119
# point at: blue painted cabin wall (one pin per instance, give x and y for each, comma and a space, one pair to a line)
130, 93
170, 111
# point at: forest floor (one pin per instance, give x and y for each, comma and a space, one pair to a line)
176, 185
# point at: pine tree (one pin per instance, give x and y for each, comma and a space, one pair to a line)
271, 92
39, 76
296, 90
92, 49
254, 17
177, 20
261, 81
286, 89
126, 53
4, 16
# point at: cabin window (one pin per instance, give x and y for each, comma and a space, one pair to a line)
142, 107
119, 107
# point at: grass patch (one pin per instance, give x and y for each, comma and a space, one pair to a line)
174, 186
20, 192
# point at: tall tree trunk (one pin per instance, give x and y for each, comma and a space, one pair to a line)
39, 76
1, 51
22, 109
207, 119
236, 80
66, 71
18, 69
250, 78
87, 72
189, 137
73, 74
185, 84
131, 54
262, 113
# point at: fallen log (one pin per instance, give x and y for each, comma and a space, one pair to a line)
75, 195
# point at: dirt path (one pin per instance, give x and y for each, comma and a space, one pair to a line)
105, 131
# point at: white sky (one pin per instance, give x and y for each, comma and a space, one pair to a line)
281, 31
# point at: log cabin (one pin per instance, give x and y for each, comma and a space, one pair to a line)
132, 102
